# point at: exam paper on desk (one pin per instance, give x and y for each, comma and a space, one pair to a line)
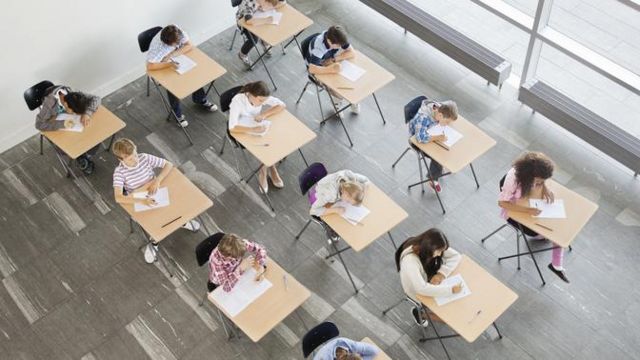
276, 16
161, 197
251, 123
184, 63
351, 71
353, 214
246, 291
554, 210
77, 124
451, 281
453, 136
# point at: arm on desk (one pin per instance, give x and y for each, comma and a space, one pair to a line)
320, 70
412, 271
123, 199
450, 260
159, 66
46, 118
509, 206
346, 54
185, 48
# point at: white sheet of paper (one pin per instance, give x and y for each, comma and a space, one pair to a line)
161, 197
184, 63
246, 291
277, 16
353, 214
554, 210
77, 125
453, 136
450, 281
351, 71
250, 122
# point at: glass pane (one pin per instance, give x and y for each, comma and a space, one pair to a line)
526, 6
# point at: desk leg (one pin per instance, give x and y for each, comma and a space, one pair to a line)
498, 330
429, 178
212, 85
337, 114
391, 238
438, 335
474, 175
303, 159
261, 59
167, 107
150, 241
345, 266
293, 38
41, 137
111, 143
65, 166
532, 257
384, 122
258, 181
301, 319
231, 334
204, 226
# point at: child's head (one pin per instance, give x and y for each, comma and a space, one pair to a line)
351, 192
427, 246
336, 37
258, 92
170, 35
532, 169
446, 112
77, 102
125, 151
231, 245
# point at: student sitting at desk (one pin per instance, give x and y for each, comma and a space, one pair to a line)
227, 261
326, 51
341, 348
246, 10
247, 104
423, 262
433, 113
170, 42
526, 179
135, 173
59, 100
342, 185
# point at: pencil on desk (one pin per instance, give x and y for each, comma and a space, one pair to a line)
544, 227
172, 221
442, 146
345, 87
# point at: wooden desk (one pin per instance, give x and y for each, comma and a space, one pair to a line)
103, 125
381, 355
473, 144
286, 135
205, 72
385, 215
488, 295
270, 309
373, 79
186, 200
292, 23
578, 209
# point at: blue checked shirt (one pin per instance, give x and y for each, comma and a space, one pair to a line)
421, 122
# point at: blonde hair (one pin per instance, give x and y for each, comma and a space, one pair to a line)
273, 2
448, 109
354, 189
231, 245
123, 147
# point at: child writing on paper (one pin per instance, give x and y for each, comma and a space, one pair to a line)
227, 261
61, 99
526, 179
326, 51
248, 103
341, 348
432, 113
423, 262
246, 10
136, 173
342, 185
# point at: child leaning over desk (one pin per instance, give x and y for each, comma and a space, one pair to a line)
227, 261
342, 185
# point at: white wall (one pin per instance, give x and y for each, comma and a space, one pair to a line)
90, 45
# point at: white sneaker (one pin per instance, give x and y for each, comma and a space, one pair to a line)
355, 108
150, 253
182, 121
245, 59
416, 318
210, 106
192, 225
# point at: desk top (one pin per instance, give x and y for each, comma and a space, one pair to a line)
578, 209
373, 79
286, 135
272, 307
205, 71
186, 201
473, 144
488, 295
291, 24
385, 215
381, 355
103, 124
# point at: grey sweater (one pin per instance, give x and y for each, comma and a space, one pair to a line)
46, 118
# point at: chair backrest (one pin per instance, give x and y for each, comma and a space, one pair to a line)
206, 246
310, 176
33, 96
305, 46
235, 3
318, 336
227, 96
411, 109
145, 37
502, 181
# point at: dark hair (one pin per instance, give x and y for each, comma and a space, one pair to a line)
529, 166
336, 35
170, 34
258, 88
78, 102
428, 242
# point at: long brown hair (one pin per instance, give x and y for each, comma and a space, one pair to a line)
428, 242
257, 88
529, 166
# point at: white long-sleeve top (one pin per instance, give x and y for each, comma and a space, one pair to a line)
414, 278
328, 189
241, 107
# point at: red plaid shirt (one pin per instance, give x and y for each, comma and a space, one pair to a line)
225, 271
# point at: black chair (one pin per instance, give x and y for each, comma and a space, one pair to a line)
410, 110
203, 251
234, 3
34, 95
308, 179
318, 336
144, 40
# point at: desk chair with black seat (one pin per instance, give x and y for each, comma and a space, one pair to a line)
317, 336
34, 95
144, 40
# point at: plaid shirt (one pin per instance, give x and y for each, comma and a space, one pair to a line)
422, 121
226, 271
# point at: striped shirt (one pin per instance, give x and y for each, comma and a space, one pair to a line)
226, 271
131, 178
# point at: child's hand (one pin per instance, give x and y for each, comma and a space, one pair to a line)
260, 129
149, 201
547, 194
153, 187
260, 274
437, 279
533, 211
68, 124
456, 288
85, 119
335, 67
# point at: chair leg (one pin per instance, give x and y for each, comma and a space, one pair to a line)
203, 298
303, 229
235, 33
41, 139
393, 306
224, 142
401, 155
148, 86
391, 238
319, 102
302, 93
493, 233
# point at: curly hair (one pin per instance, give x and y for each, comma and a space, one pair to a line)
529, 166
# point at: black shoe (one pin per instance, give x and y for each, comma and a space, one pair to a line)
88, 170
559, 273
416, 317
